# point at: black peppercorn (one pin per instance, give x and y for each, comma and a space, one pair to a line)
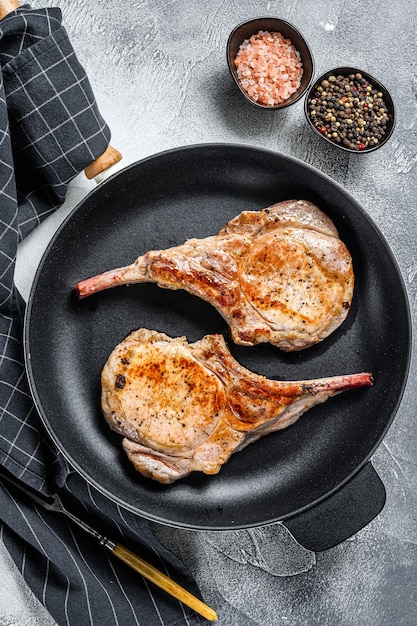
355, 105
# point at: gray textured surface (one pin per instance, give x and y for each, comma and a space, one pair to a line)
159, 72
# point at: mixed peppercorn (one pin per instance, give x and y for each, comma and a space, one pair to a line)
349, 110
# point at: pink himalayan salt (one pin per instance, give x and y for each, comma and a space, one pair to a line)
269, 68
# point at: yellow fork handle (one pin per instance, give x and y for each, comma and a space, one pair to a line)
162, 581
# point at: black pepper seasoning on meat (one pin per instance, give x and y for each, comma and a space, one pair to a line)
120, 381
349, 110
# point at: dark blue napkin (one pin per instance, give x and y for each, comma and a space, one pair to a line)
50, 130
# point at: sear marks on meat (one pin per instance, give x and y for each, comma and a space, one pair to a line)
280, 275
187, 407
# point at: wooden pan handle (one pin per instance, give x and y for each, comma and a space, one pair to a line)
111, 155
103, 162
7, 6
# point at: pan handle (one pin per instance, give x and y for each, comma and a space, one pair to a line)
111, 156
7, 6
341, 515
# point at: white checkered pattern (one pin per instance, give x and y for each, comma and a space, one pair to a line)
50, 130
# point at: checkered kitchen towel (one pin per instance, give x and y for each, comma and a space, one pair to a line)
50, 130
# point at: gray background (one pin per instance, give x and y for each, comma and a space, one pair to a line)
158, 69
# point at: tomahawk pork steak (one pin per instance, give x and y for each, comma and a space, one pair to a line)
280, 275
184, 407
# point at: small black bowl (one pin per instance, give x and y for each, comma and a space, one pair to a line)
247, 29
343, 142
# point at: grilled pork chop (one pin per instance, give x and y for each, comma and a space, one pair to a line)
280, 275
187, 407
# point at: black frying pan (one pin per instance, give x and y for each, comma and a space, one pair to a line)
160, 202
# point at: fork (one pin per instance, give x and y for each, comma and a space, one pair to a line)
148, 571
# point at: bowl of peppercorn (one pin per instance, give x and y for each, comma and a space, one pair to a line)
350, 109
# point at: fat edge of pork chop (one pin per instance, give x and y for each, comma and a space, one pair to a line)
280, 275
187, 407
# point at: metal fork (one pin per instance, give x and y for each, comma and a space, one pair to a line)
148, 571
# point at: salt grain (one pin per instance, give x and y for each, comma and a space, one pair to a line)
269, 68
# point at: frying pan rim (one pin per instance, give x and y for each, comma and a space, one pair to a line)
26, 334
